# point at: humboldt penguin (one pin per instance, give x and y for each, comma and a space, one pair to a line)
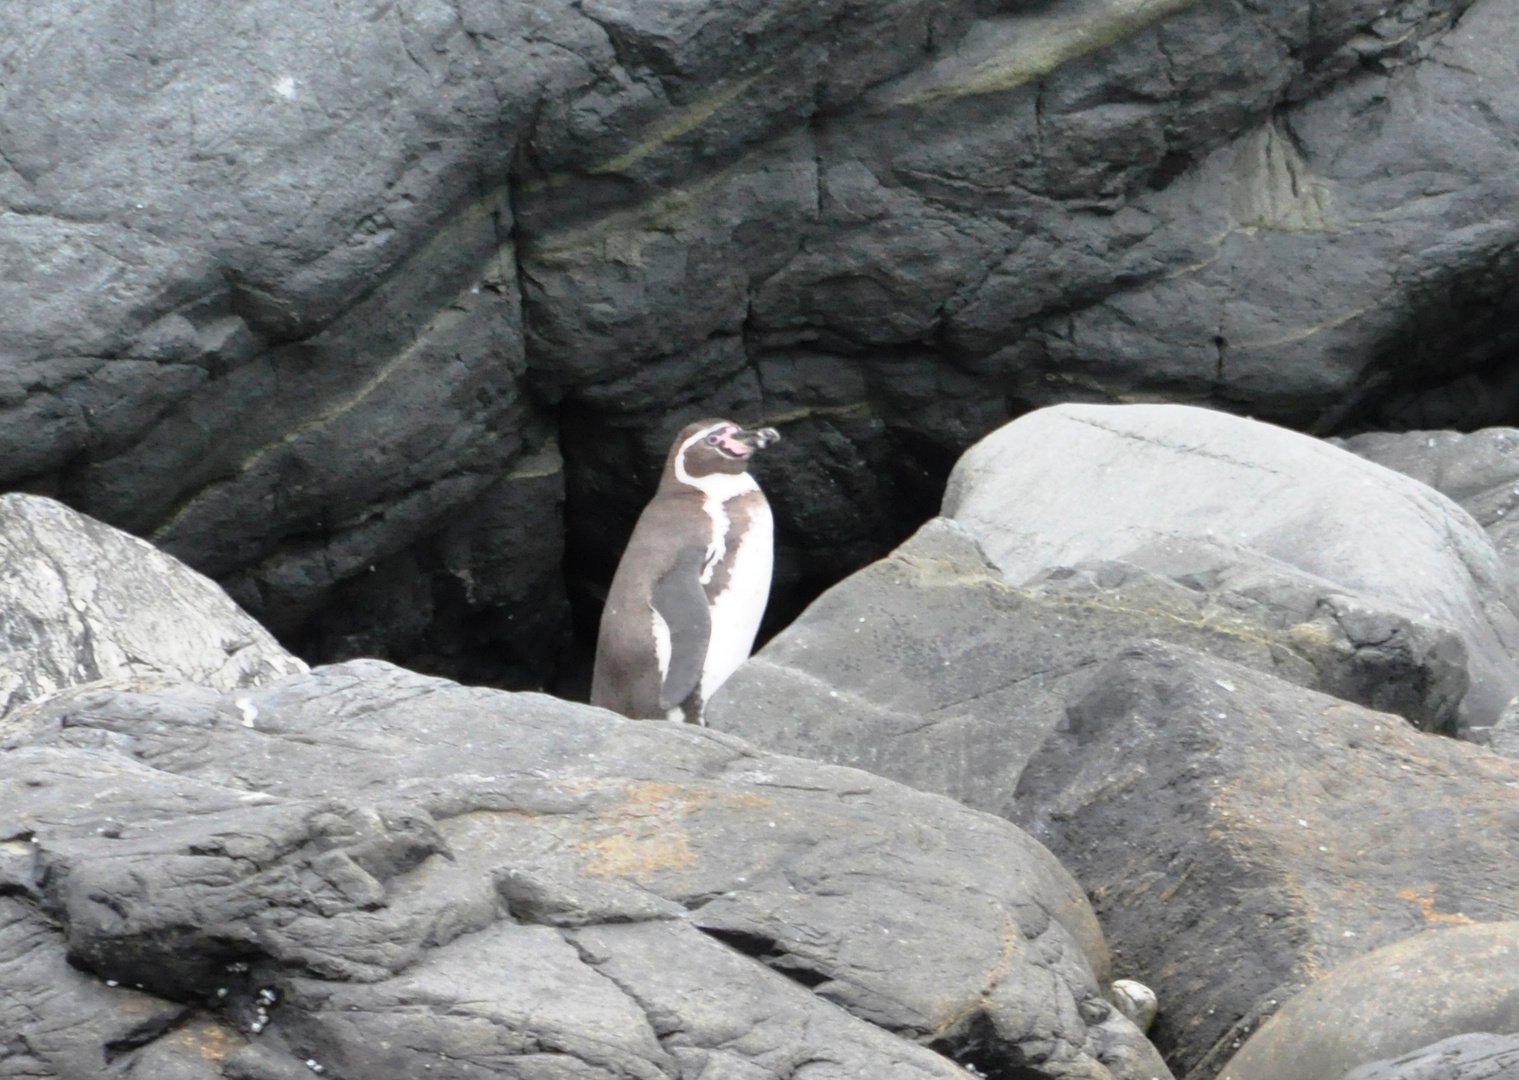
692, 585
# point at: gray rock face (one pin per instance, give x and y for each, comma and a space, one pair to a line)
1185, 490
80, 601
1479, 470
1410, 998
1242, 837
379, 871
1460, 1057
930, 668
304, 296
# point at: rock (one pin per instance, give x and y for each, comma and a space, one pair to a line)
547, 216
81, 601
1241, 837
479, 600
1479, 470
1504, 737
61, 1022
1460, 1057
930, 668
335, 860
1408, 996
1156, 484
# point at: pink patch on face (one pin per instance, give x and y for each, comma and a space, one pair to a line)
726, 440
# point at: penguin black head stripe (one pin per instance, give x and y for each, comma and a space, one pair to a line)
692, 585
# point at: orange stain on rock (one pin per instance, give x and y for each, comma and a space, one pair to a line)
1426, 902
644, 835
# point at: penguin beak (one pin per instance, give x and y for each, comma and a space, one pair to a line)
750, 441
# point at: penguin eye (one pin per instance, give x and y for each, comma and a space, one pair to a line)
714, 438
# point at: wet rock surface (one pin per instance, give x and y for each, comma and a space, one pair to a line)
310, 298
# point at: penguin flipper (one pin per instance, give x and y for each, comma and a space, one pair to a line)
681, 602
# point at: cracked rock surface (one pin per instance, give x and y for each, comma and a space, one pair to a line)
382, 313
380, 871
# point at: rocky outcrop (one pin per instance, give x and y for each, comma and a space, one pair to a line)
1411, 998
1078, 530
1241, 831
930, 668
375, 871
307, 297
1242, 837
1198, 495
1479, 470
80, 601
364, 872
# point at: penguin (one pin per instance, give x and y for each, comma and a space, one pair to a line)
693, 582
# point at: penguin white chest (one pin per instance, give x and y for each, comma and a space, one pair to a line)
739, 558
738, 608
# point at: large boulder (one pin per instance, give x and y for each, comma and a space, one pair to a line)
81, 601
1242, 837
1078, 529
1183, 490
304, 294
379, 871
1415, 998
1479, 470
928, 667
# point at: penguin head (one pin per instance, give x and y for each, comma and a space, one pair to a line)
716, 446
